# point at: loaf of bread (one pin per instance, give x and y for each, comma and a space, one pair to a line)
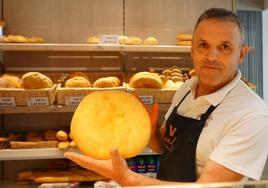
35, 80
146, 80
77, 82
134, 41
105, 119
150, 41
9, 81
110, 81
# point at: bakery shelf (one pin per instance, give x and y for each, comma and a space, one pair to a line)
50, 109
44, 153
37, 109
91, 47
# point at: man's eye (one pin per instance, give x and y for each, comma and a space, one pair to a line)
225, 48
202, 45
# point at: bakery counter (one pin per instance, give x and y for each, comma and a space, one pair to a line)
43, 153
51, 109
92, 47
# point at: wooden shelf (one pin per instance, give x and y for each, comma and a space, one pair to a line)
50, 109
44, 153
91, 47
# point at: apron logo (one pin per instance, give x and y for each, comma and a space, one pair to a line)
170, 139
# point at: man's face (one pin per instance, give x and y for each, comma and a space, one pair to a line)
216, 52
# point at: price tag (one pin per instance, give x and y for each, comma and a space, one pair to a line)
73, 101
109, 39
7, 101
38, 101
147, 99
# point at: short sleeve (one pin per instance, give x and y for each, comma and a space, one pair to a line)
244, 147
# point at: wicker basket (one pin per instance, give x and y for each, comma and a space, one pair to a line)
150, 96
72, 96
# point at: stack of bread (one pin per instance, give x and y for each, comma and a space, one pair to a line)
172, 77
132, 40
184, 39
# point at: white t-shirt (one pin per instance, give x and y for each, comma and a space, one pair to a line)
236, 133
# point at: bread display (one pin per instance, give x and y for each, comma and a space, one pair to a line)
9, 81
93, 40
104, 120
146, 80
35, 80
77, 82
110, 81
22, 39
151, 41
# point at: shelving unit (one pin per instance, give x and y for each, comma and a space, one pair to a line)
91, 47
45, 153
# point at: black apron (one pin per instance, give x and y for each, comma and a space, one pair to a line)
182, 133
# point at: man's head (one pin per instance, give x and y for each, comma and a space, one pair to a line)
217, 47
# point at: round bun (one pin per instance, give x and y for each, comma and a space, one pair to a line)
35, 80
151, 41
184, 43
146, 80
184, 37
77, 82
123, 39
192, 73
110, 81
81, 74
134, 41
104, 119
9, 81
93, 40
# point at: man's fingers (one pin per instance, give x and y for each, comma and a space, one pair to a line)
81, 160
115, 156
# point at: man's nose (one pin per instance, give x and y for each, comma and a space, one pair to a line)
212, 54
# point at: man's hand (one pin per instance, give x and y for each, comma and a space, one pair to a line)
115, 168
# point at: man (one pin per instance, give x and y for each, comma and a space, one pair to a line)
215, 128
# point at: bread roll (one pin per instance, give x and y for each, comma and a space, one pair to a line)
76, 82
146, 80
105, 119
17, 39
93, 40
74, 74
184, 43
167, 72
151, 41
123, 40
9, 81
134, 41
35, 39
110, 81
35, 80
184, 37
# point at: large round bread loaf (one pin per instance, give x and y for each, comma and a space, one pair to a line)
106, 119
146, 80
77, 82
35, 80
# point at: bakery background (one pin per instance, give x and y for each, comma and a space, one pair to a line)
72, 22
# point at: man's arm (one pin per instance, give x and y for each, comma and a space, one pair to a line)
156, 143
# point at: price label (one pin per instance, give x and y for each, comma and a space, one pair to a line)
7, 101
73, 101
147, 99
109, 39
38, 101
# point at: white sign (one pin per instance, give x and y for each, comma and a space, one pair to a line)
7, 101
38, 101
109, 39
73, 101
147, 99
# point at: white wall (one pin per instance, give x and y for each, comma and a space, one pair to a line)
265, 54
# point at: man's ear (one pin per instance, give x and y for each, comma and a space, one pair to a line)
243, 53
